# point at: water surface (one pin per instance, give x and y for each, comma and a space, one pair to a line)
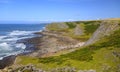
11, 33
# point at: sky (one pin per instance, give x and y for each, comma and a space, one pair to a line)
57, 10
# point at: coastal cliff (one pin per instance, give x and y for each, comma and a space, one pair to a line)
106, 28
80, 46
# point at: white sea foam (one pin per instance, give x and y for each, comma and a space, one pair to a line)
10, 53
11, 39
11, 49
8, 45
5, 46
20, 45
1, 58
16, 35
1, 37
17, 32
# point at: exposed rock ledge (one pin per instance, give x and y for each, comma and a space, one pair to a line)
106, 28
49, 43
7, 61
52, 42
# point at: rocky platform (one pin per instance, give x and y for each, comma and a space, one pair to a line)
51, 43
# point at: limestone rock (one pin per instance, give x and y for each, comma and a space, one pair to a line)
106, 28
78, 30
28, 68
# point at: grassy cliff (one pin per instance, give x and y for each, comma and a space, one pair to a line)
68, 28
101, 56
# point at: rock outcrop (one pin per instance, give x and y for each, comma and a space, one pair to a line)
7, 61
78, 30
28, 68
52, 42
31, 68
106, 28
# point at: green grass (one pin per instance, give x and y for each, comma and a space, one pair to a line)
89, 27
84, 54
79, 37
27, 60
98, 56
57, 27
71, 25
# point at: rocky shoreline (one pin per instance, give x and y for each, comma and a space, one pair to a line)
7, 61
45, 45
51, 42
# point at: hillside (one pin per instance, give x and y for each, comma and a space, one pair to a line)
100, 51
80, 30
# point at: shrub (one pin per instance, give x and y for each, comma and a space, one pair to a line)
71, 25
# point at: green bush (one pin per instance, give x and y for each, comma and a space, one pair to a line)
114, 39
57, 59
90, 28
81, 55
71, 25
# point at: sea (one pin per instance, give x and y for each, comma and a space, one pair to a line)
11, 33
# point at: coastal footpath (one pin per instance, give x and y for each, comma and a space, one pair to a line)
80, 46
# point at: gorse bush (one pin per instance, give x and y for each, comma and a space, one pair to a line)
71, 25
56, 59
90, 28
80, 55
114, 39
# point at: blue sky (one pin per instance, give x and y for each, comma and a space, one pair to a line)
58, 10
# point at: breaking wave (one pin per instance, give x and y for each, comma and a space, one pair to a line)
17, 32
8, 45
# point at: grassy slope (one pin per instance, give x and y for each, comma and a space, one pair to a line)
98, 56
88, 27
